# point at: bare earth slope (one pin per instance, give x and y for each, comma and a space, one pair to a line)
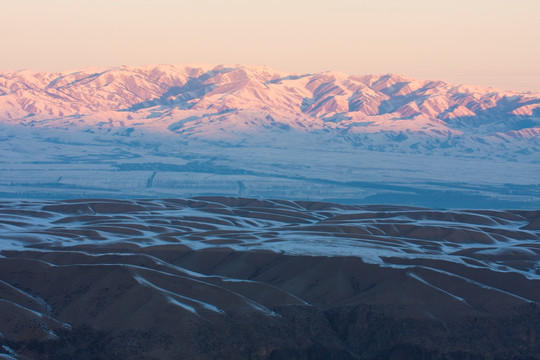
238, 278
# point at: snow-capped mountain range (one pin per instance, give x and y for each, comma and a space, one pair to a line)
167, 130
228, 102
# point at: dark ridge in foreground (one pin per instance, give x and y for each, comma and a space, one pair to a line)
236, 278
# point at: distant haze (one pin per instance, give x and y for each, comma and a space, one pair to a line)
483, 42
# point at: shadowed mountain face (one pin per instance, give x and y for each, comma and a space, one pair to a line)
238, 278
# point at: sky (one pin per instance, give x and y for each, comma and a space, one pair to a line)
490, 43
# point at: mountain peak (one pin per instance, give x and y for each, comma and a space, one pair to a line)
184, 97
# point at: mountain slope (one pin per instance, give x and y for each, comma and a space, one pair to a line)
170, 131
215, 102
240, 278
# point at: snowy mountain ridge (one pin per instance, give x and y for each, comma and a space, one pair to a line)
182, 131
225, 101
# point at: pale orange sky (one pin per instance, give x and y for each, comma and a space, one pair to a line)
491, 43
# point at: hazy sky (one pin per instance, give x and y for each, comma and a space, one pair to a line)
495, 43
